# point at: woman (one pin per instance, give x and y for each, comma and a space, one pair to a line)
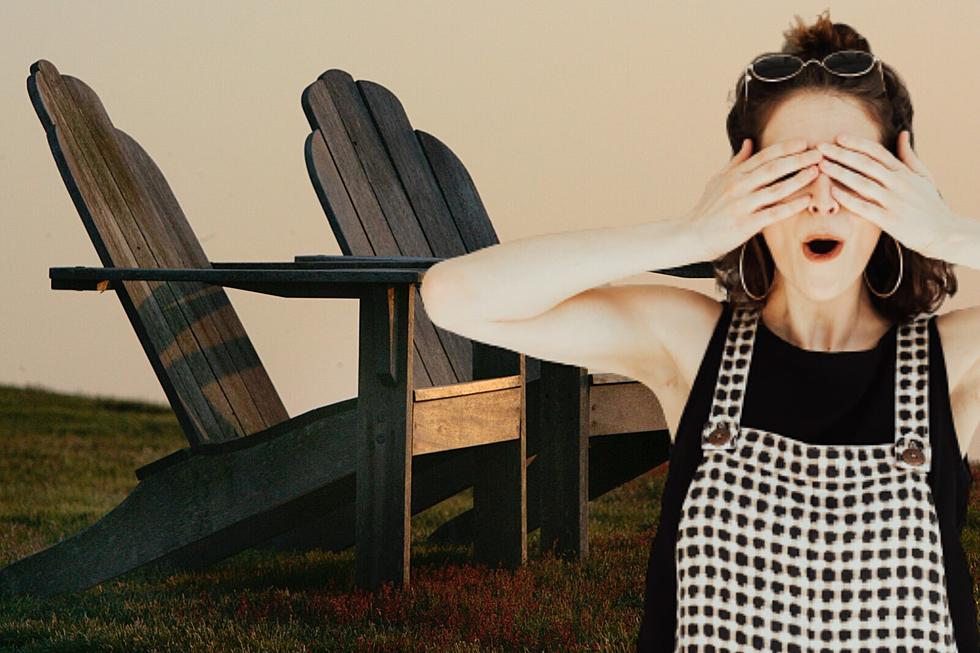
835, 521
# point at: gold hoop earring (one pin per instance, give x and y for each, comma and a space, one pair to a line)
901, 272
741, 274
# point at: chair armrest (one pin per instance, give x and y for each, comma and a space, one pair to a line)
283, 279
373, 261
699, 270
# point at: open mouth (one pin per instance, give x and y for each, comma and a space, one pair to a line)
822, 249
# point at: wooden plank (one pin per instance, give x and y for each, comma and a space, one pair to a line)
334, 105
248, 381
469, 214
500, 478
429, 208
117, 186
384, 437
150, 230
183, 374
168, 512
356, 277
613, 461
500, 497
350, 233
435, 478
465, 421
628, 407
171, 242
383, 261
324, 115
470, 388
564, 460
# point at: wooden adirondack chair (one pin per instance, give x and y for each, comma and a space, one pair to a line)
251, 471
390, 190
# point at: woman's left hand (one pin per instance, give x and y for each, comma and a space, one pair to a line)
897, 195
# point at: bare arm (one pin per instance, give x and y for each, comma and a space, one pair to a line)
523, 278
548, 296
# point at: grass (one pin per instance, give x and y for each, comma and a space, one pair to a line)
67, 460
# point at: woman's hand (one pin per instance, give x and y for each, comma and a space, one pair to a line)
897, 195
739, 201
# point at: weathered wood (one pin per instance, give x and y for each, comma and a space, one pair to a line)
195, 342
170, 510
564, 461
242, 372
466, 420
328, 523
174, 300
500, 490
613, 461
500, 475
384, 437
471, 388
357, 277
369, 261
469, 214
368, 204
428, 208
702, 270
623, 406
286, 282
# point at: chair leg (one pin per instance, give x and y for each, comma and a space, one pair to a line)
214, 504
500, 497
435, 477
384, 437
563, 460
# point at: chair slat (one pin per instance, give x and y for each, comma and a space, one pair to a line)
351, 234
469, 214
362, 169
428, 204
409, 163
190, 333
243, 368
320, 105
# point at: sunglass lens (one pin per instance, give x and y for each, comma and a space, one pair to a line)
775, 67
849, 62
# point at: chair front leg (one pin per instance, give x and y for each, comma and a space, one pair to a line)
384, 436
563, 460
500, 480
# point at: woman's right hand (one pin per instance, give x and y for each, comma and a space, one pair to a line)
739, 201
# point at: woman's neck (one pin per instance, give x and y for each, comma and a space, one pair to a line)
844, 323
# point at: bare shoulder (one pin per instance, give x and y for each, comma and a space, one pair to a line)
961, 354
961, 348
683, 321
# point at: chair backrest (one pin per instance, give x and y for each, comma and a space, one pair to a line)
190, 332
391, 190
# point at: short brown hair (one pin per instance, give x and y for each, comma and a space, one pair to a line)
925, 281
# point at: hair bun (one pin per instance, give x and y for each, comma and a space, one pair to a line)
822, 38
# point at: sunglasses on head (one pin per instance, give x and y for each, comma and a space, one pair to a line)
777, 66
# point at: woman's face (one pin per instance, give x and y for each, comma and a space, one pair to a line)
818, 117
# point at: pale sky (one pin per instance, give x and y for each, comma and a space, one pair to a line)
568, 115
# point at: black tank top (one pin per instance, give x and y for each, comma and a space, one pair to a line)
857, 401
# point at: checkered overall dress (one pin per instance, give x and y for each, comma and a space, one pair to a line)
785, 546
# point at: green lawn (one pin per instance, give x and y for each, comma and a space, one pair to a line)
67, 460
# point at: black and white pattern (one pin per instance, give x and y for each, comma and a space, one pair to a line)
792, 547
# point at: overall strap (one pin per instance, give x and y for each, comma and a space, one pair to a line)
912, 447
721, 429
